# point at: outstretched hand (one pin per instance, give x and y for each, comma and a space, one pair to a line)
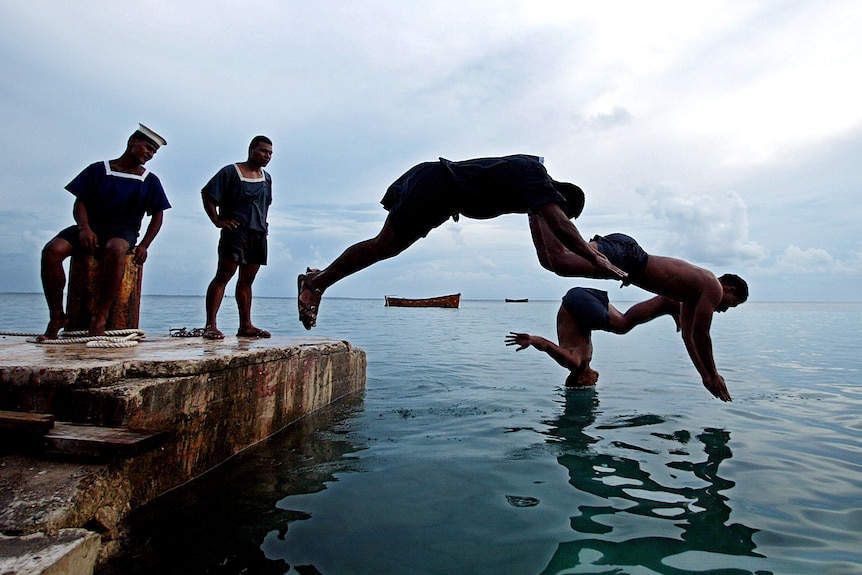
717, 387
522, 340
603, 263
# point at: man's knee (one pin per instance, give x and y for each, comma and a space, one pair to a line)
618, 322
56, 251
225, 272
389, 242
117, 248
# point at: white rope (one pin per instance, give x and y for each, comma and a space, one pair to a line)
115, 338
110, 333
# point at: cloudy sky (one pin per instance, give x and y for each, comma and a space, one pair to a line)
727, 133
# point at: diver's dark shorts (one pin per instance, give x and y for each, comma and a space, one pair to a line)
418, 201
245, 247
71, 235
589, 307
624, 252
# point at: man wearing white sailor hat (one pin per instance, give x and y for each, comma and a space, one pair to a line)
111, 199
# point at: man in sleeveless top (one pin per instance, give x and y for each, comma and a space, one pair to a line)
237, 201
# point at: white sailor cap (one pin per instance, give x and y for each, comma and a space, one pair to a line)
151, 135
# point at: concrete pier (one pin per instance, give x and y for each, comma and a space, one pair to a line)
197, 402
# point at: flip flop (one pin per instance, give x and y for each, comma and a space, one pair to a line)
210, 333
255, 333
307, 313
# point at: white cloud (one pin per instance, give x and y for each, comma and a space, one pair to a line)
709, 228
812, 261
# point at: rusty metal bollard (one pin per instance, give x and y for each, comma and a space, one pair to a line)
85, 288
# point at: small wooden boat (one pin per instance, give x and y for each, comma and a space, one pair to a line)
525, 300
442, 301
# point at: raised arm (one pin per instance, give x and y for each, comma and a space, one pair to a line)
695, 322
570, 359
563, 250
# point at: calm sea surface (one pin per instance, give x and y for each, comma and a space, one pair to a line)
465, 457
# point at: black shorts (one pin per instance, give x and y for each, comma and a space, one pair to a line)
624, 252
72, 235
242, 246
419, 201
589, 307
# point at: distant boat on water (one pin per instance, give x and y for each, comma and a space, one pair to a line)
524, 300
451, 301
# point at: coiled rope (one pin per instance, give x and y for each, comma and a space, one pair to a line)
112, 339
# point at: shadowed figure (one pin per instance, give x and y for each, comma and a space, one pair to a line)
586, 309
699, 292
430, 193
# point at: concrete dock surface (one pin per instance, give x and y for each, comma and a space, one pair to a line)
196, 403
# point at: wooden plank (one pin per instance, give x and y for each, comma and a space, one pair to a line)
25, 421
76, 439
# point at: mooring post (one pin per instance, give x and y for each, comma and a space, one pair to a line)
85, 287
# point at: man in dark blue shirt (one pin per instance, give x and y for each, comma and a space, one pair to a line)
111, 199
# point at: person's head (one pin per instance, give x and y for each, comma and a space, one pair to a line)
260, 151
574, 198
735, 292
586, 377
144, 143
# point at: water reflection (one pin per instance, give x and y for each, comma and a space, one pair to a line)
641, 521
216, 523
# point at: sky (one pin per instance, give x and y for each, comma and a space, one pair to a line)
727, 133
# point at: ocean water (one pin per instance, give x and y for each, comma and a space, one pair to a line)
463, 456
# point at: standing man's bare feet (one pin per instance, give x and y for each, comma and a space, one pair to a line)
253, 332
53, 329
97, 326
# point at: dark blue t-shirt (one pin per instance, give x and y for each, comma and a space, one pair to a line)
239, 198
118, 199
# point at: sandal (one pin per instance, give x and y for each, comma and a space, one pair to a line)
254, 333
212, 333
307, 312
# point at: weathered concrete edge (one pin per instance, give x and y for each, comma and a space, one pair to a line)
211, 416
67, 552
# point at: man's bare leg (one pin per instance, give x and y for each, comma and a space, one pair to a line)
53, 283
355, 258
113, 269
215, 294
641, 313
247, 273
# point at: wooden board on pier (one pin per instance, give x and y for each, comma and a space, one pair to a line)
26, 422
76, 439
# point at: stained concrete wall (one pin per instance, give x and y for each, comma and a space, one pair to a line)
213, 399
